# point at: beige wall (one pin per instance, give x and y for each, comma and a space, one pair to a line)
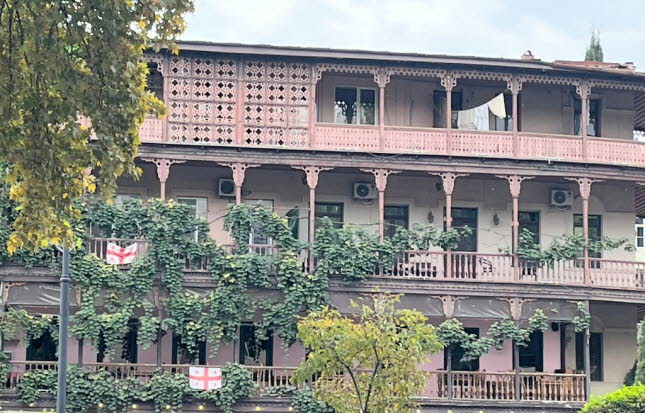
544, 108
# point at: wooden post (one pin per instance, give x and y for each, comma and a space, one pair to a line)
448, 81
515, 85
312, 106
517, 384
380, 178
583, 89
163, 170
449, 372
239, 172
381, 78
515, 185
585, 193
239, 105
448, 181
312, 173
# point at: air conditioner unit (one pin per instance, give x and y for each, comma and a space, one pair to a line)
561, 198
364, 191
226, 188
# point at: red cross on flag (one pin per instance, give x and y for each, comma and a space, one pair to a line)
205, 378
120, 256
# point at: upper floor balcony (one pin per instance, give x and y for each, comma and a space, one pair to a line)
465, 107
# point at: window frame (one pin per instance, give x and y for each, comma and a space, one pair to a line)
537, 237
591, 237
357, 118
473, 365
389, 226
317, 219
197, 199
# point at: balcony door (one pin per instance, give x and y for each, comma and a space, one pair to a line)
465, 265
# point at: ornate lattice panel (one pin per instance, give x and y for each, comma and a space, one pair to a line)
276, 103
202, 95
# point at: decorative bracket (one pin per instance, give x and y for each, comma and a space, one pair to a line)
515, 183
585, 185
312, 174
239, 170
382, 77
163, 166
448, 179
5, 290
449, 81
380, 177
515, 84
448, 305
583, 88
516, 306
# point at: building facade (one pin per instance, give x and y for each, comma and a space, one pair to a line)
383, 140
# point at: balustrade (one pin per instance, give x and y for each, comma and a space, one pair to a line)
465, 385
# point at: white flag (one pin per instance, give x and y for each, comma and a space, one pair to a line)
119, 256
205, 378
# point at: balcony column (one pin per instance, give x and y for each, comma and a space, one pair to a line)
239, 105
515, 185
382, 78
515, 86
585, 193
380, 178
315, 77
449, 310
516, 314
311, 173
448, 183
239, 171
163, 170
587, 360
448, 81
583, 89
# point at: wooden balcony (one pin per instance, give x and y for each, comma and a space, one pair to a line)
433, 141
501, 268
493, 386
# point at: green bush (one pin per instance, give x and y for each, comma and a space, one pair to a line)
629, 399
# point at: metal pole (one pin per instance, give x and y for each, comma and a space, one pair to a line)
61, 396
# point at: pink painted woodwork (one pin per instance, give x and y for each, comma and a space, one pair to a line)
465, 385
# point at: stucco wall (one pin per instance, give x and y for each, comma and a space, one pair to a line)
543, 108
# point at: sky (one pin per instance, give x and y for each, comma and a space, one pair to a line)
491, 28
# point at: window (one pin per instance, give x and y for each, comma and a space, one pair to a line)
594, 109
42, 348
439, 108
595, 230
122, 199
129, 348
532, 355
333, 210
154, 81
293, 220
595, 355
640, 232
530, 220
253, 353
181, 356
258, 237
462, 217
198, 208
395, 216
457, 353
355, 105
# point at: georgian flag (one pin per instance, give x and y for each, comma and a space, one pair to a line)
205, 378
120, 256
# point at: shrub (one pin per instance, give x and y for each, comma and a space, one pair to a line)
629, 399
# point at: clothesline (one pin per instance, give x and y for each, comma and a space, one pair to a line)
478, 118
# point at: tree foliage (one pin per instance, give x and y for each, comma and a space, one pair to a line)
369, 362
61, 59
629, 399
594, 50
639, 374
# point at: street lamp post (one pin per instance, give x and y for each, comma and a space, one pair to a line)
61, 396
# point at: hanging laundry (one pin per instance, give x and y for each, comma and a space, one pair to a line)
498, 106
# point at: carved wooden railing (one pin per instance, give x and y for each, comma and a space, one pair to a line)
501, 386
98, 246
464, 386
474, 266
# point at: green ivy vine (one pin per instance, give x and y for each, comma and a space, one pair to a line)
168, 392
